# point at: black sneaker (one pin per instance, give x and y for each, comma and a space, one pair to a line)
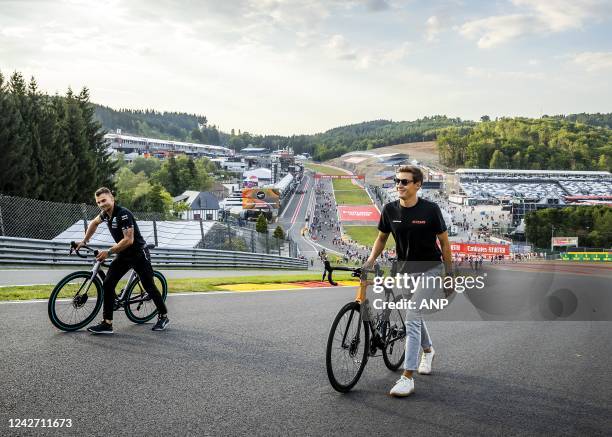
101, 328
161, 324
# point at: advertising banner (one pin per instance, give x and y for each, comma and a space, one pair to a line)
260, 198
480, 249
565, 241
358, 214
524, 248
339, 176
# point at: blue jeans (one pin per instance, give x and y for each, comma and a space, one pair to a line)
417, 335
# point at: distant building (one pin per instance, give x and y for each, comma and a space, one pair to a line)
261, 176
162, 148
202, 205
254, 151
231, 164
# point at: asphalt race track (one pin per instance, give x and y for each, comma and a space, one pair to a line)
253, 363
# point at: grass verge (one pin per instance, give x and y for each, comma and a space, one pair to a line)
182, 285
366, 235
347, 193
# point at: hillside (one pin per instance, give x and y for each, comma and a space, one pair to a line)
574, 141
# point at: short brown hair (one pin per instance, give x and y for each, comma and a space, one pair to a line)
103, 190
417, 174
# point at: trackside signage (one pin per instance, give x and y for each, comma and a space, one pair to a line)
339, 176
480, 249
565, 241
358, 213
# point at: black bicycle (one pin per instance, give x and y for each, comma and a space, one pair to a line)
77, 298
357, 333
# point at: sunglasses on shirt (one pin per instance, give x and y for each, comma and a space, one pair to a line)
403, 182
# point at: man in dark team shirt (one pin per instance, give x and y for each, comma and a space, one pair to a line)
417, 226
132, 253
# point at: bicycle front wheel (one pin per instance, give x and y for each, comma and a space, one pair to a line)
395, 339
139, 306
75, 301
347, 348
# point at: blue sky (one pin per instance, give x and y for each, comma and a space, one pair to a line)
280, 66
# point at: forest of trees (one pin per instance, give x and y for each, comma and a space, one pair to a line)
522, 143
601, 120
178, 126
330, 144
574, 141
591, 224
52, 148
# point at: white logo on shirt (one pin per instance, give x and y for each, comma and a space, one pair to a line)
397, 221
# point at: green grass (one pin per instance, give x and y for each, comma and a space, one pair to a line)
323, 169
345, 185
174, 285
352, 198
348, 193
366, 235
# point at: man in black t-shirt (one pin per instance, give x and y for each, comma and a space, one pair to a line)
132, 253
417, 226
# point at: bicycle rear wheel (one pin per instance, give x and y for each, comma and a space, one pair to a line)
347, 348
139, 306
75, 301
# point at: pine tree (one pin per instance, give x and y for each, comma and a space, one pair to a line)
174, 178
34, 118
18, 178
279, 233
105, 166
54, 154
261, 225
156, 200
77, 139
193, 173
66, 180
10, 141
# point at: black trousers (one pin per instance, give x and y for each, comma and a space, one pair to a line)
140, 261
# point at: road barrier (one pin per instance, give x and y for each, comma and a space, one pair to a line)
30, 252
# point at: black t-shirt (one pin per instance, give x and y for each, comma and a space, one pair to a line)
414, 230
122, 219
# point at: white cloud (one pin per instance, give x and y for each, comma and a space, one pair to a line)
560, 15
495, 30
535, 17
285, 66
432, 28
594, 61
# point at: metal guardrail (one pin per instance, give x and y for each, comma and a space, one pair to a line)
30, 252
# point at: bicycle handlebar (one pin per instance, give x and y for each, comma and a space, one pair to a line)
73, 247
357, 272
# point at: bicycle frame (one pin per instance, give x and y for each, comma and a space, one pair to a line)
377, 327
96, 270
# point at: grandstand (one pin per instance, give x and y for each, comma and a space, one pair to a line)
158, 147
503, 185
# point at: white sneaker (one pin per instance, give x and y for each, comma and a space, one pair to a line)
403, 387
426, 362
